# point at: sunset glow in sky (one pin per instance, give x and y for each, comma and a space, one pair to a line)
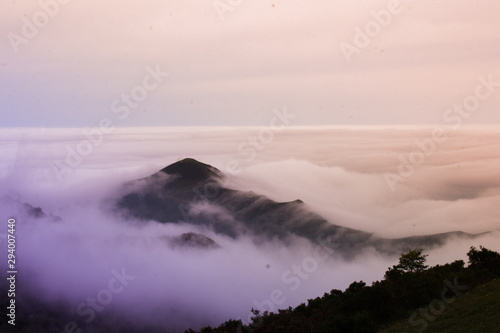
230, 62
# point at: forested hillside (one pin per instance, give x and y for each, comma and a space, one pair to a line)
411, 293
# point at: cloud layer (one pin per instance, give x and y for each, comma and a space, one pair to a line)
339, 173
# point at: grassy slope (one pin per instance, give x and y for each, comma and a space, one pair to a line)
475, 312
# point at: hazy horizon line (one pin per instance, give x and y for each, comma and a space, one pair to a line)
343, 126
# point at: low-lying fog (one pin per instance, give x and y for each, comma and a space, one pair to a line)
394, 182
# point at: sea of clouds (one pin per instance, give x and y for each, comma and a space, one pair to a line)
394, 182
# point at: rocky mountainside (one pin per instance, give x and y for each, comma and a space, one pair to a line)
192, 192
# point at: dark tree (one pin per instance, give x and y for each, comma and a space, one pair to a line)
484, 259
413, 261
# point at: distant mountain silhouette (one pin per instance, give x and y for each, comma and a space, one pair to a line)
191, 170
24, 208
192, 192
193, 240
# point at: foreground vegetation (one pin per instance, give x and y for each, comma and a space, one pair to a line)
410, 298
477, 311
419, 297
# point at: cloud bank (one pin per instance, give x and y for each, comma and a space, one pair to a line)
339, 173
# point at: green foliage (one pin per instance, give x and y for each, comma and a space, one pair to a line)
484, 259
406, 287
474, 312
355, 287
413, 261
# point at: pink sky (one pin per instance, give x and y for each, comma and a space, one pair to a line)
85, 55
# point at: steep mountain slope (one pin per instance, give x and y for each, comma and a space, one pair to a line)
192, 192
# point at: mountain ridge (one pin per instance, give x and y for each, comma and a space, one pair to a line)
196, 195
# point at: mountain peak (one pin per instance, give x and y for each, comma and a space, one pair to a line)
195, 240
191, 169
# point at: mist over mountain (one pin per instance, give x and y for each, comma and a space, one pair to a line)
205, 244
193, 192
193, 240
19, 208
